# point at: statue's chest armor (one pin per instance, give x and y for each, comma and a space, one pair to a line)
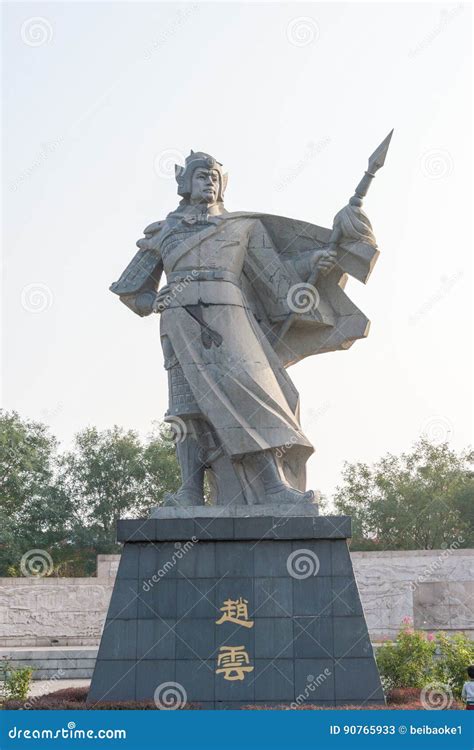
198, 247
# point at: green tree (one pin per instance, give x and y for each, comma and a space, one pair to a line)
68, 504
26, 452
161, 465
104, 473
112, 474
418, 500
33, 512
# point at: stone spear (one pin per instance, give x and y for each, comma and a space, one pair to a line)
376, 161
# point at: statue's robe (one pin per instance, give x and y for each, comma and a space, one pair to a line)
231, 283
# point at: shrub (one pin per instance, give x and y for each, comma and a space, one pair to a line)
456, 652
406, 662
74, 699
401, 696
416, 659
16, 682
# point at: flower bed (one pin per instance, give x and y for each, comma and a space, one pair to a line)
74, 699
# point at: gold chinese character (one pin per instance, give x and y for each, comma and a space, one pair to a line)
234, 662
235, 611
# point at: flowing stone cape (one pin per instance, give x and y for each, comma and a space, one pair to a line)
270, 280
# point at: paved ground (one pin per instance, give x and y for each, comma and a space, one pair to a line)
41, 687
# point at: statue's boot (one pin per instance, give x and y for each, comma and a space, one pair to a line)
277, 491
284, 494
190, 462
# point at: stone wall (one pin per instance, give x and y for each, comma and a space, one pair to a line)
435, 588
56, 611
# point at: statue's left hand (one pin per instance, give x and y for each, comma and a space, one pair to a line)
354, 225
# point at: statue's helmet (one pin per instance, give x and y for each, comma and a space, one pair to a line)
195, 160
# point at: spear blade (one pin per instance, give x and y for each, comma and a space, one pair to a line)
377, 159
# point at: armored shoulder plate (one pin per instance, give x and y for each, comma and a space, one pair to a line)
144, 270
153, 228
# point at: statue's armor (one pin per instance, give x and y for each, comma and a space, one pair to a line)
180, 396
181, 232
181, 399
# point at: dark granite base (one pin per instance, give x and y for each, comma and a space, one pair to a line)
309, 642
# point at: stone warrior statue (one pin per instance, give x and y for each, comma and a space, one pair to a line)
247, 295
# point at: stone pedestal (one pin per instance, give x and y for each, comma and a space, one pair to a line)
232, 611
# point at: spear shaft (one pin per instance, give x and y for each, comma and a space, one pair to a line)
376, 161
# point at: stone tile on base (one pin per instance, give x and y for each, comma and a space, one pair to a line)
313, 637
153, 678
314, 679
195, 639
156, 639
273, 637
196, 598
157, 600
357, 680
273, 597
119, 640
113, 681
274, 680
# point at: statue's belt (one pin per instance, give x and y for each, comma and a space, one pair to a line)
211, 274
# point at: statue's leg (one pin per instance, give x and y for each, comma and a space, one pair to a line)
183, 416
277, 490
190, 462
225, 482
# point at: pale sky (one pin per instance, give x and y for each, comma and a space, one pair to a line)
100, 100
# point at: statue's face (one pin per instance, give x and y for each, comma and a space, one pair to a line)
204, 186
